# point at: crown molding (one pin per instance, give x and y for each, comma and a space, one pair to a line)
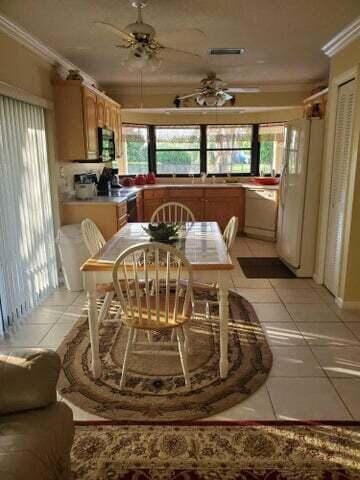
22, 36
343, 38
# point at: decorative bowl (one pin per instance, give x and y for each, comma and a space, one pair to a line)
163, 232
266, 180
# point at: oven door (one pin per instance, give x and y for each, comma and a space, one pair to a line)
131, 209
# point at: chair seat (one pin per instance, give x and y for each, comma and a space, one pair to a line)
202, 289
154, 323
105, 287
201, 286
109, 287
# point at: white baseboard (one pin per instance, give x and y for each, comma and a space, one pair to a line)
347, 305
316, 279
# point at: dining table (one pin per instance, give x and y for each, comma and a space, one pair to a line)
204, 247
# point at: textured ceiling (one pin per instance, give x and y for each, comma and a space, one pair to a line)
282, 38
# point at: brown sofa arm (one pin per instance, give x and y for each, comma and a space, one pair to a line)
28, 379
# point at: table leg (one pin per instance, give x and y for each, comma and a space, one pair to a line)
90, 288
224, 321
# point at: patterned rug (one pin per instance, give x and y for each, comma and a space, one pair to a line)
217, 452
155, 387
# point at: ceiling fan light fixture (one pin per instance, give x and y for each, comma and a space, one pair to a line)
136, 60
211, 100
200, 99
138, 3
154, 63
221, 100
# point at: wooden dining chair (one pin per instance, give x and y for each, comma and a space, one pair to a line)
230, 232
172, 212
94, 241
150, 301
201, 289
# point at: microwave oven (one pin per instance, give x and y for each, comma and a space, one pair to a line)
106, 141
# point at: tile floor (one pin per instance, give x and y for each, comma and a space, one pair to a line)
316, 346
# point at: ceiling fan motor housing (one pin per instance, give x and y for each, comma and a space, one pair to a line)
142, 32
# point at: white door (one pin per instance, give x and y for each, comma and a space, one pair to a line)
339, 184
292, 191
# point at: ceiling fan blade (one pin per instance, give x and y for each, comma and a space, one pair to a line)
176, 50
243, 89
123, 46
116, 31
188, 96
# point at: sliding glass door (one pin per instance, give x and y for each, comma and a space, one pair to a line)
27, 249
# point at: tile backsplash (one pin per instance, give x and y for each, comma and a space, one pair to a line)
67, 170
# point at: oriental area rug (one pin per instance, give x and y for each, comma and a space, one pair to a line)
209, 451
155, 387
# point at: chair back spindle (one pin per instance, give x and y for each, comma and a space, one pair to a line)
149, 281
172, 212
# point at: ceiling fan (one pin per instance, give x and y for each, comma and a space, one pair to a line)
141, 40
213, 92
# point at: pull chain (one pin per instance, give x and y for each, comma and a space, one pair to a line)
140, 88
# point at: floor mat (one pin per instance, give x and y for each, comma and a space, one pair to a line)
264, 267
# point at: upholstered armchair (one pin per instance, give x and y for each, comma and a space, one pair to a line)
36, 431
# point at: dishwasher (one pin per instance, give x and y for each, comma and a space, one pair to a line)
261, 206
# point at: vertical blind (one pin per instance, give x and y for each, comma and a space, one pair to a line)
27, 249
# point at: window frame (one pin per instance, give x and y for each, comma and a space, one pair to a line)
251, 149
184, 175
255, 149
139, 125
283, 124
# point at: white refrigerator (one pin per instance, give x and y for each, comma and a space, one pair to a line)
300, 195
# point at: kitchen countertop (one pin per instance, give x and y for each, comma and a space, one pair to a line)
126, 191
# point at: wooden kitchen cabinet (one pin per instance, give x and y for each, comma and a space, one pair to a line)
140, 207
90, 124
191, 197
208, 204
100, 103
153, 198
79, 111
220, 204
107, 115
122, 217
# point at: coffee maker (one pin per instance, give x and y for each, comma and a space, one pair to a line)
108, 182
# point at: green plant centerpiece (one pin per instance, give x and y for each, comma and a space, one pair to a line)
163, 232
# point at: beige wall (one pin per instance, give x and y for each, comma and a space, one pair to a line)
288, 106
348, 58
179, 118
23, 69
